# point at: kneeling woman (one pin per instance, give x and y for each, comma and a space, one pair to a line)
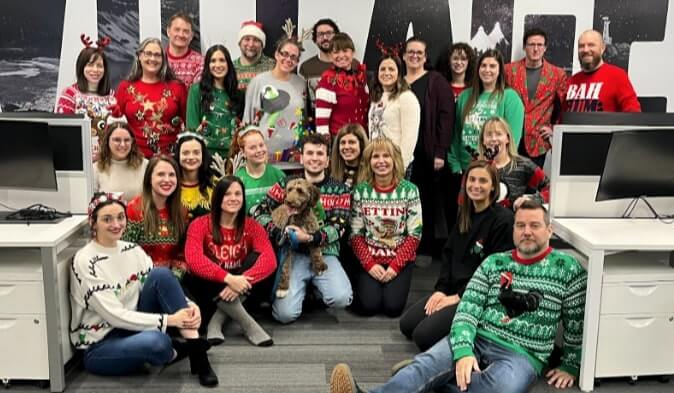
227, 254
385, 230
483, 227
121, 306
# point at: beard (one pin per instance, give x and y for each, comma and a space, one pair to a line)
592, 65
532, 247
324, 47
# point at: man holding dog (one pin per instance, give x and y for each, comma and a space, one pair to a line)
333, 211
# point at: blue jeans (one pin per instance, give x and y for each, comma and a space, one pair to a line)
333, 287
122, 351
503, 371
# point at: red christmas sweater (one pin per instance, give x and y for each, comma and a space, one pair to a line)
155, 112
164, 246
606, 89
213, 262
341, 98
187, 67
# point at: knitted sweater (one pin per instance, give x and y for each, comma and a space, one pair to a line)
561, 281
335, 201
163, 247
213, 262
72, 100
606, 89
525, 178
467, 131
341, 98
385, 224
120, 177
220, 120
256, 188
491, 231
245, 73
155, 112
397, 119
187, 67
196, 203
105, 285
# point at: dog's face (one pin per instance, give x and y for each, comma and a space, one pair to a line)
301, 194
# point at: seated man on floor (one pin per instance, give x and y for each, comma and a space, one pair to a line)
332, 285
505, 327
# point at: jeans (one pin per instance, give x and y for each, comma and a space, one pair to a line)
333, 287
503, 371
122, 351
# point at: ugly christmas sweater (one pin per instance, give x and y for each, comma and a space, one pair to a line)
385, 224
559, 280
213, 262
341, 98
105, 285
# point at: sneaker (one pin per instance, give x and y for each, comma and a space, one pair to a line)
341, 380
400, 365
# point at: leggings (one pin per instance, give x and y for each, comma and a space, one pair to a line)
389, 298
426, 330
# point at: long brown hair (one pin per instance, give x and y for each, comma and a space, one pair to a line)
135, 157
178, 222
216, 208
399, 87
467, 208
337, 164
477, 87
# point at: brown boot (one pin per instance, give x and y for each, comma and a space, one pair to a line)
199, 364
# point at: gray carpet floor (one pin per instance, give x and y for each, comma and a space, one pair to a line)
303, 356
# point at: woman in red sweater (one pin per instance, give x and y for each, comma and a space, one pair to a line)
153, 100
227, 254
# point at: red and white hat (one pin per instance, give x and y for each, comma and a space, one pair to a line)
254, 29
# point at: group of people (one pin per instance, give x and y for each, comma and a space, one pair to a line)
188, 174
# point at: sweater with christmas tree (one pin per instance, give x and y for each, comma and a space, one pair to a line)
492, 307
105, 285
219, 120
385, 224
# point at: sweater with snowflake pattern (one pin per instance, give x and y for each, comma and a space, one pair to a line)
557, 276
105, 285
385, 224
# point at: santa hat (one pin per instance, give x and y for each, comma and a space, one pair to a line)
252, 28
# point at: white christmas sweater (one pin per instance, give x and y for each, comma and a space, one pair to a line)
105, 285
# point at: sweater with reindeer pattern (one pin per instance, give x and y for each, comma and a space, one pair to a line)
105, 285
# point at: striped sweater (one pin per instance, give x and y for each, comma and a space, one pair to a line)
524, 178
561, 281
341, 98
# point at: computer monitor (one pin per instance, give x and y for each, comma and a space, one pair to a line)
638, 164
26, 156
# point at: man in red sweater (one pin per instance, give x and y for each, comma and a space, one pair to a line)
186, 63
599, 86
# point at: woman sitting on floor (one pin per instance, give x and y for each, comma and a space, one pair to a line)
385, 230
228, 253
483, 227
121, 306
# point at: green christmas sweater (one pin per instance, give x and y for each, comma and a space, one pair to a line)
485, 311
220, 120
385, 224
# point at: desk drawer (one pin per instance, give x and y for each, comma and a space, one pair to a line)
21, 297
635, 345
637, 297
23, 339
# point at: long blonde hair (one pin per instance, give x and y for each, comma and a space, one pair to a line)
498, 122
365, 172
337, 164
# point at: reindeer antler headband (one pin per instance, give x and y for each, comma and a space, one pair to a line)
289, 28
100, 44
393, 50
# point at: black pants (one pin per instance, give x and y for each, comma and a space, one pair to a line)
540, 160
426, 330
373, 297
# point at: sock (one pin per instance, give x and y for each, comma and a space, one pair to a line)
253, 331
214, 334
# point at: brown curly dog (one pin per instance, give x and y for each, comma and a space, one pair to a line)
297, 209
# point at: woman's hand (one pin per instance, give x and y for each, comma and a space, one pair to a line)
228, 294
438, 301
389, 275
238, 283
377, 272
185, 318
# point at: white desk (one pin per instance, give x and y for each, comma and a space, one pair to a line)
50, 242
594, 237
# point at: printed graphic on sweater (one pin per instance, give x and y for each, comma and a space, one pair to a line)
584, 97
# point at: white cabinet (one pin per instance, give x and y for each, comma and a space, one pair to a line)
636, 323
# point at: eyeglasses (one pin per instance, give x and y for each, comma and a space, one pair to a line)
326, 34
535, 45
156, 55
418, 53
286, 55
119, 141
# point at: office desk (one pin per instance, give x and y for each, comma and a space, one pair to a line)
594, 237
27, 251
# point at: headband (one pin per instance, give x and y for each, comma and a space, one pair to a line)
102, 198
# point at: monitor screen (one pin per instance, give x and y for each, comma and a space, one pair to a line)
26, 157
638, 163
66, 142
584, 153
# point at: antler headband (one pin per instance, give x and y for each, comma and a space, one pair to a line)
100, 44
289, 28
393, 50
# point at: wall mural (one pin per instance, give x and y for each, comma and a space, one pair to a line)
29, 56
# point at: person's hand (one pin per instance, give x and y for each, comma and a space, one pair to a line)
438, 163
546, 132
195, 309
238, 283
228, 294
561, 379
302, 235
438, 301
184, 319
464, 368
377, 272
519, 201
389, 275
